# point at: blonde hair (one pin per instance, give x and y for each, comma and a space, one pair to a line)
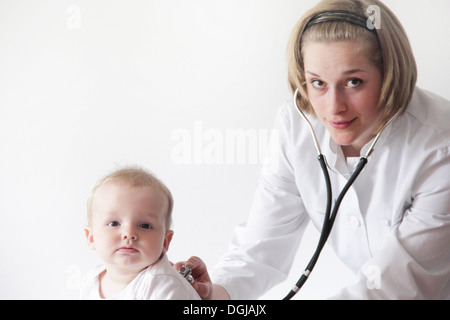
388, 48
134, 177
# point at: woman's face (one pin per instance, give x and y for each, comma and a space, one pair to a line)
343, 87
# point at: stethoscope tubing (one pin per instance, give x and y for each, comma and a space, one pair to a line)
330, 215
329, 219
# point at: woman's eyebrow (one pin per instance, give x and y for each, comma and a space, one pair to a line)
345, 73
313, 74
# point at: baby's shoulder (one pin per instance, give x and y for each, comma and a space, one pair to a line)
163, 282
89, 283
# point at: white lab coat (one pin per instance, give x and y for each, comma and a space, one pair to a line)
394, 222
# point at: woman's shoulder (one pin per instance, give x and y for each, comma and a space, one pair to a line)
431, 111
290, 116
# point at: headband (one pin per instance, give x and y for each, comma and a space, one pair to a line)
340, 16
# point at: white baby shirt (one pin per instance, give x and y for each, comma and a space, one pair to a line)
159, 281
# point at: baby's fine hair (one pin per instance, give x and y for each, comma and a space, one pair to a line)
134, 177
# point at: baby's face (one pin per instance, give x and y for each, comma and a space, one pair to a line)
128, 228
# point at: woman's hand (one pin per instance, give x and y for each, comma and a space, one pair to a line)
202, 282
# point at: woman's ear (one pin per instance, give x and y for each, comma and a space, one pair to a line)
89, 237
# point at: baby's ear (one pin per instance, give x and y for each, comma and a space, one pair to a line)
89, 237
167, 240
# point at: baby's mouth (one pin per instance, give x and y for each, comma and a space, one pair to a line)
127, 250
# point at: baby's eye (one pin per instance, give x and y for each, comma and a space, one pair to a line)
145, 226
114, 224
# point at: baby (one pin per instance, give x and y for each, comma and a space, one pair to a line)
129, 218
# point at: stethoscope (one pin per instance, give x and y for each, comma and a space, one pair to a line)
330, 216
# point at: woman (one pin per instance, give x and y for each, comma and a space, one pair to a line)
354, 81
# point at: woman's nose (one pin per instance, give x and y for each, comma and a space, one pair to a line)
336, 101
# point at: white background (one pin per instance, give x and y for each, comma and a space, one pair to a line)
88, 86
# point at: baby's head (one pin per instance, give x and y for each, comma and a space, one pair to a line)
129, 218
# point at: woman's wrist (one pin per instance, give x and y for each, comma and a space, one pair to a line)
220, 293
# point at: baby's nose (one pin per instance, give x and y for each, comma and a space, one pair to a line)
129, 235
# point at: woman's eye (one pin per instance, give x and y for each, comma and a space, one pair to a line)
114, 224
353, 83
145, 226
318, 84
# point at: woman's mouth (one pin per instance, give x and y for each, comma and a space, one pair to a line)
341, 125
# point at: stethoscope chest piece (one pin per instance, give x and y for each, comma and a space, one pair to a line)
186, 271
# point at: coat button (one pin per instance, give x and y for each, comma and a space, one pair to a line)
354, 222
